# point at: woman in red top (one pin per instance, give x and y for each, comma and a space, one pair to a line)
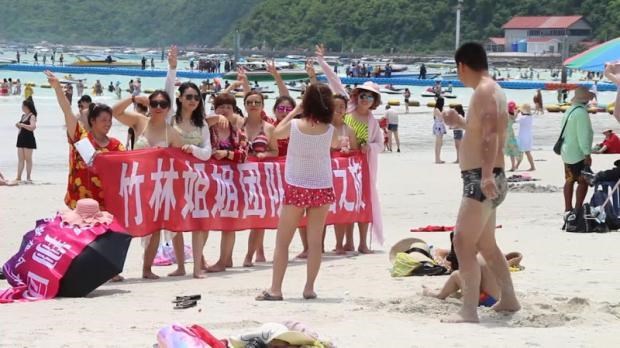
83, 182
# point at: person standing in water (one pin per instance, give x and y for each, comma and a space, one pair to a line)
26, 143
439, 128
484, 184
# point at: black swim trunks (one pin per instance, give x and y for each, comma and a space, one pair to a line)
472, 188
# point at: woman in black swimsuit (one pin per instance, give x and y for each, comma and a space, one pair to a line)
25, 139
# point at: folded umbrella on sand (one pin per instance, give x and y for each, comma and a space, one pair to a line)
436, 228
69, 255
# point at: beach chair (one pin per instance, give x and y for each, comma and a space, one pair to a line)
609, 189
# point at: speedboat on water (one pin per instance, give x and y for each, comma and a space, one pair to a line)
4, 61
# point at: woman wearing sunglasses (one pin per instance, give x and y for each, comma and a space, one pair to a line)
362, 101
261, 144
151, 131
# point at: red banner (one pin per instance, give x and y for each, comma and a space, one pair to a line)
149, 190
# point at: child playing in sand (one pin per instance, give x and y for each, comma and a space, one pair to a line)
489, 290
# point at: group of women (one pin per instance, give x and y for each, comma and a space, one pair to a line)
226, 135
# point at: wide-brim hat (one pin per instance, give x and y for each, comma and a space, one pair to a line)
86, 213
583, 95
370, 87
608, 131
273, 331
415, 247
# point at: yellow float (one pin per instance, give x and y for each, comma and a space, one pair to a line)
552, 108
45, 86
430, 104
593, 110
611, 108
454, 105
149, 91
394, 102
414, 103
239, 95
564, 107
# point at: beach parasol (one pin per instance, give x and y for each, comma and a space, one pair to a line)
595, 58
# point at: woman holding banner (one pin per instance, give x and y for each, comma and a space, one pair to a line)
308, 185
189, 120
229, 143
83, 182
261, 144
362, 101
151, 131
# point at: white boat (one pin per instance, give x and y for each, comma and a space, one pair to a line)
257, 71
295, 57
4, 61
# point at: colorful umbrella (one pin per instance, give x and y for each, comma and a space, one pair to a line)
595, 58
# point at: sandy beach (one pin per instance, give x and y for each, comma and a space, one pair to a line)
569, 287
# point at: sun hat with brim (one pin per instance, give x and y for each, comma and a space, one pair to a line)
608, 131
370, 87
86, 213
270, 332
416, 248
583, 95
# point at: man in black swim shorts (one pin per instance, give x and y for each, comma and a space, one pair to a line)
484, 183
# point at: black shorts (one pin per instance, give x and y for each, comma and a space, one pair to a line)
472, 185
458, 134
572, 172
393, 127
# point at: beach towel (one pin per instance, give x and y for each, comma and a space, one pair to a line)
521, 178
438, 228
181, 336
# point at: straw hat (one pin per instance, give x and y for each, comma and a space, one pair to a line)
86, 213
582, 95
526, 109
415, 247
273, 331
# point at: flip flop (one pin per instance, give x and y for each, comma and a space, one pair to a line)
266, 296
187, 298
185, 304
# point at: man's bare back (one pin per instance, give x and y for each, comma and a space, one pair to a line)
488, 97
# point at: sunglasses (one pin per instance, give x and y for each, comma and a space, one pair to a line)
367, 96
254, 103
190, 97
161, 104
284, 108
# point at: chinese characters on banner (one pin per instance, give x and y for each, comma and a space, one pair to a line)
155, 189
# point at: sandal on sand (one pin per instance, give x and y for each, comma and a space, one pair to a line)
187, 298
266, 296
185, 304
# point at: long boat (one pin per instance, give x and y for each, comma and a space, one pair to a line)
100, 61
257, 71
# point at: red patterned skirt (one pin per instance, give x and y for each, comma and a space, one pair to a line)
307, 198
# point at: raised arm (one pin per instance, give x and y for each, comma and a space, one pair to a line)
311, 72
171, 77
65, 106
128, 118
282, 89
241, 76
332, 79
612, 72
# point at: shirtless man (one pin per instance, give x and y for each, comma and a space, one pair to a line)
485, 186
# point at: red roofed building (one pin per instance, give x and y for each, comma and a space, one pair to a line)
545, 33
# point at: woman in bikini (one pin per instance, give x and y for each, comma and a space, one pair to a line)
229, 144
261, 144
439, 128
151, 132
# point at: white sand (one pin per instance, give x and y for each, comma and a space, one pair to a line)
569, 288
